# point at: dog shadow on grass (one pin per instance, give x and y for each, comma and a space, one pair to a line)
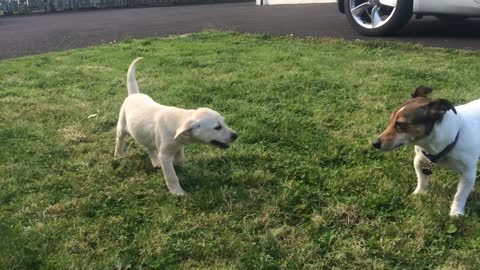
134, 161
201, 172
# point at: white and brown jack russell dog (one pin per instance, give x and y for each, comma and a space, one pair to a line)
442, 134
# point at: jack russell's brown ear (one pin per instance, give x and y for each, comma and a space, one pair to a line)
438, 107
422, 91
186, 128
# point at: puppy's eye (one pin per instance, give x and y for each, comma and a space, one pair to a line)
401, 126
218, 127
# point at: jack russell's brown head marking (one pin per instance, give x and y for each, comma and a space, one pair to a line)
414, 120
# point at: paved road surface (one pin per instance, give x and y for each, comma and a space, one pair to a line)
25, 35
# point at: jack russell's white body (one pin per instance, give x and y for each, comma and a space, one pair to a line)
442, 134
462, 158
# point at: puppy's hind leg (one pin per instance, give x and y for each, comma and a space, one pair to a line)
179, 157
153, 154
422, 182
121, 132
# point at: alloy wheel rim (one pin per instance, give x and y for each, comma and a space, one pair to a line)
372, 14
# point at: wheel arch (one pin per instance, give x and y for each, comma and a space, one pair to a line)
415, 6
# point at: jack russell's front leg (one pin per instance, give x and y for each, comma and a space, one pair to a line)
422, 181
465, 186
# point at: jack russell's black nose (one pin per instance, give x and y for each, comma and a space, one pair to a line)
234, 136
377, 143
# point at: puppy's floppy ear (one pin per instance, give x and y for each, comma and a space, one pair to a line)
186, 128
422, 91
438, 107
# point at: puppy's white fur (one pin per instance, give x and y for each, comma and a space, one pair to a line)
462, 158
164, 130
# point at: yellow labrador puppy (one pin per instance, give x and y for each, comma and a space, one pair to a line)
164, 130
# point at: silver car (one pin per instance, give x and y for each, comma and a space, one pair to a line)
380, 17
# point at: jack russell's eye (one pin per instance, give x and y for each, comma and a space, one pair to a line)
401, 126
218, 127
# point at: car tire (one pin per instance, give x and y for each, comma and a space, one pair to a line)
378, 17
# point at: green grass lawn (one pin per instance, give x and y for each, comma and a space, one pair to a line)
300, 189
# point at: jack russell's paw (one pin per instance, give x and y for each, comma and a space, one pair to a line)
456, 213
418, 191
177, 191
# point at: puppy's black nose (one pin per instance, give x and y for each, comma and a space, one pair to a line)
234, 136
377, 143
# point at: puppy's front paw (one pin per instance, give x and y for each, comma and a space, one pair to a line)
456, 212
177, 191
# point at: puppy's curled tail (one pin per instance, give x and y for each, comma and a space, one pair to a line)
132, 86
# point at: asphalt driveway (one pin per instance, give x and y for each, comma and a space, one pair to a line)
25, 35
